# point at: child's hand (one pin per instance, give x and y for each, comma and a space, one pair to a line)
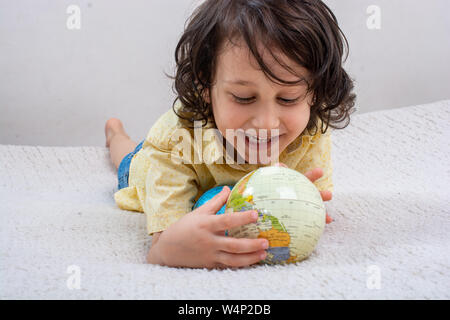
313, 175
198, 239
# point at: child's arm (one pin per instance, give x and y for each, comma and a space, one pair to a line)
198, 239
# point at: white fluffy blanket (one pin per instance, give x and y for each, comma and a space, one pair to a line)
63, 237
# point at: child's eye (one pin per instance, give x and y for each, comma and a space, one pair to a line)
242, 100
249, 100
289, 101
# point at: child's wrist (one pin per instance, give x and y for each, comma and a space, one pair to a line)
154, 254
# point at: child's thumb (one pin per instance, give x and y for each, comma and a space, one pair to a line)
216, 203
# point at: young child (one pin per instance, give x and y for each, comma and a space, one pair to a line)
270, 68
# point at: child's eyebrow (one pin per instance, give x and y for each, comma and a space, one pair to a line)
240, 82
246, 83
249, 83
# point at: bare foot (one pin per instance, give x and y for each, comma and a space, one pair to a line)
112, 127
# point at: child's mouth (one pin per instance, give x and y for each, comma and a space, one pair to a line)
257, 149
255, 143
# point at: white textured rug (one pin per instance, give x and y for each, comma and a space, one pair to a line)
390, 238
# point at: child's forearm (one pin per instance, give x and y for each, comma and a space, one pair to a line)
153, 255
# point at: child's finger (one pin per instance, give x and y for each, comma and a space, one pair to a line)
314, 174
216, 203
328, 219
326, 195
232, 220
242, 245
241, 259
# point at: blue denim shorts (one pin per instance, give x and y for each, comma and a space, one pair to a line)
124, 167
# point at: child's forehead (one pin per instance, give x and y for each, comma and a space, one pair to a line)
236, 58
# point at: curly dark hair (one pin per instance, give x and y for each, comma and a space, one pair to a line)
306, 31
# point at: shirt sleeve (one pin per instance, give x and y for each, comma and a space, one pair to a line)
318, 155
170, 186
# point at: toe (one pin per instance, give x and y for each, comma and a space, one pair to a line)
112, 126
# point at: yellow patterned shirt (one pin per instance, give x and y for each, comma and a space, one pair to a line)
165, 189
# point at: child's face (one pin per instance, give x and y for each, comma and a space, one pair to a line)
268, 107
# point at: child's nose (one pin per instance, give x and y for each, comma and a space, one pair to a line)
267, 119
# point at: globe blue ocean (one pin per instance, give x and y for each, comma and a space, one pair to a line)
208, 195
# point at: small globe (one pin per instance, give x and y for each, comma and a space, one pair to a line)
291, 212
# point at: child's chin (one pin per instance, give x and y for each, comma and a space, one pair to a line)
264, 159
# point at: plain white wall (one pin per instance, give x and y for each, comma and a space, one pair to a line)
59, 86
